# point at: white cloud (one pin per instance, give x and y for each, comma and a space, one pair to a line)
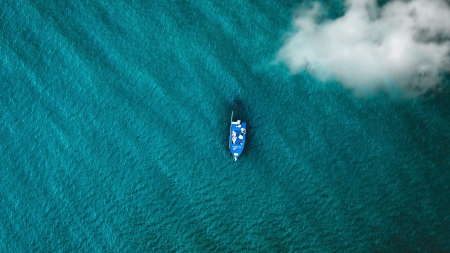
402, 46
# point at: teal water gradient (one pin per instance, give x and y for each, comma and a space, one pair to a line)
114, 120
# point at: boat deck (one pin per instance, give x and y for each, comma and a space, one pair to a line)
237, 146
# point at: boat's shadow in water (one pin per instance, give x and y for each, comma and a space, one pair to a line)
236, 105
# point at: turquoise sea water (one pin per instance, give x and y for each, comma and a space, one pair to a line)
114, 119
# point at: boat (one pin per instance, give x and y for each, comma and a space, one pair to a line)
238, 133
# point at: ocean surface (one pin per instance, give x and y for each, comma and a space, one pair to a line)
114, 124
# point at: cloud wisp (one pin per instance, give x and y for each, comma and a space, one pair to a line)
401, 47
